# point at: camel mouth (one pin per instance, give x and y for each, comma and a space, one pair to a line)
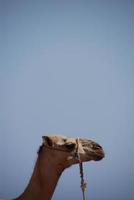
93, 150
99, 156
95, 156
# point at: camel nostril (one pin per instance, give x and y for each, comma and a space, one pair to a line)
97, 146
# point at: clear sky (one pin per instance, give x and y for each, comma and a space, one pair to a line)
67, 67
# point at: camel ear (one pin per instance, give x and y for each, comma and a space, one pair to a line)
47, 140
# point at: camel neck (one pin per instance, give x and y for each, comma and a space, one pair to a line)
44, 179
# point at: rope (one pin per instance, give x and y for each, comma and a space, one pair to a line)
83, 183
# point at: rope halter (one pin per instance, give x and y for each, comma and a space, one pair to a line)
83, 183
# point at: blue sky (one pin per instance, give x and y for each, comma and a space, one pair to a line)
67, 67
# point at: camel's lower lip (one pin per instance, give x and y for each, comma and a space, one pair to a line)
99, 156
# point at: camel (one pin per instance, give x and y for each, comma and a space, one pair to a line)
55, 155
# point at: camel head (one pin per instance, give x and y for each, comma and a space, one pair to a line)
64, 149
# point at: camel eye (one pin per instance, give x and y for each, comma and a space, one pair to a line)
70, 146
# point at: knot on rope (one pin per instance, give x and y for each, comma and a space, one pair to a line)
84, 186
